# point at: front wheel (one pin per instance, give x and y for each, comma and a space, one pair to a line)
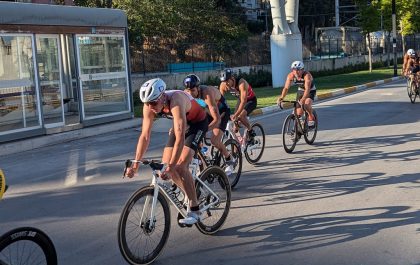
255, 145
27, 245
290, 133
413, 92
234, 168
214, 217
142, 237
311, 132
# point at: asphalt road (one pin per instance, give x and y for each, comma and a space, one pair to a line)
351, 198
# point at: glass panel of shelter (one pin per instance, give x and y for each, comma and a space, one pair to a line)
19, 108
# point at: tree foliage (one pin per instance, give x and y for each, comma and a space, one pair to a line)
181, 22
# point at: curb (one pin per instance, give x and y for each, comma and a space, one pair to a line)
52, 139
327, 95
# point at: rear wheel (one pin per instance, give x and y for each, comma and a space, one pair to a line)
290, 134
213, 218
140, 238
311, 132
27, 245
255, 145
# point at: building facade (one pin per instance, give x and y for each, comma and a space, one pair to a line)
61, 68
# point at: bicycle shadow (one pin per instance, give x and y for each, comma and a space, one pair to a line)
287, 235
285, 191
345, 152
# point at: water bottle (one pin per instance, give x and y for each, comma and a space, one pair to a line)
204, 150
194, 166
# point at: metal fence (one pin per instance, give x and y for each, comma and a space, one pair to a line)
189, 57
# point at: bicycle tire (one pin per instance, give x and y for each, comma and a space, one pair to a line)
311, 139
123, 228
2, 184
413, 94
409, 87
290, 132
235, 150
261, 138
14, 248
213, 176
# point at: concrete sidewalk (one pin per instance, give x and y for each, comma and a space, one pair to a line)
159, 126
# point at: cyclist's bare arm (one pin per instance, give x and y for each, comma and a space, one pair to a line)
210, 100
179, 104
243, 93
144, 138
223, 88
286, 87
308, 82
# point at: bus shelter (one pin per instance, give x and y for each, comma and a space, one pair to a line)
61, 68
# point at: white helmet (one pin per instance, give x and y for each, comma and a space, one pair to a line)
411, 52
297, 65
151, 90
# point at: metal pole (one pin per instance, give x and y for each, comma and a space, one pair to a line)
394, 37
337, 13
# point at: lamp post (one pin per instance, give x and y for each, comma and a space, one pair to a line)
394, 37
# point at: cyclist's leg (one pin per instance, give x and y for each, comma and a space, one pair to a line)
299, 95
181, 177
216, 138
250, 106
193, 138
308, 104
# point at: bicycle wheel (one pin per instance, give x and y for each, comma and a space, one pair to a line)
255, 147
310, 133
214, 217
25, 246
234, 149
413, 93
409, 87
138, 242
290, 135
2, 184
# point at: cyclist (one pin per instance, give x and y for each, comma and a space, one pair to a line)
247, 101
306, 89
219, 113
411, 62
189, 126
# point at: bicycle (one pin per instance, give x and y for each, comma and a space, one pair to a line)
251, 146
413, 84
292, 130
25, 245
209, 155
146, 214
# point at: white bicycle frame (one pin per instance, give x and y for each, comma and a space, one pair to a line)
230, 133
159, 184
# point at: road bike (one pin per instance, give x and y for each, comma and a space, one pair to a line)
293, 130
145, 222
413, 84
25, 245
209, 155
251, 145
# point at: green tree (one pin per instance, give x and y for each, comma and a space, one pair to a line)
369, 21
182, 22
94, 3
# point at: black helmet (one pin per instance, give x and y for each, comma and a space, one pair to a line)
226, 74
191, 81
